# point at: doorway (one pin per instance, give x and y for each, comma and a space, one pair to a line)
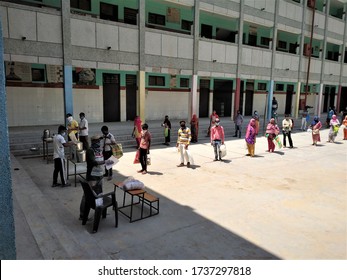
111, 97
131, 100
204, 93
222, 96
249, 99
289, 99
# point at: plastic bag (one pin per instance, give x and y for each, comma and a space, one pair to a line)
149, 160
117, 150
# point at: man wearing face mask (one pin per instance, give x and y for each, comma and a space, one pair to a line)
217, 139
106, 142
72, 126
95, 169
59, 144
83, 128
145, 144
183, 141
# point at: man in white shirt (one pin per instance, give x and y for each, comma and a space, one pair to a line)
83, 131
59, 144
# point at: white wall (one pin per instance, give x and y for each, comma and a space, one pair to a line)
45, 106
161, 103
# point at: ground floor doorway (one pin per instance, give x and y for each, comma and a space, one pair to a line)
131, 99
222, 97
111, 97
204, 94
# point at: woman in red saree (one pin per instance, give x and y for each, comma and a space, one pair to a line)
137, 131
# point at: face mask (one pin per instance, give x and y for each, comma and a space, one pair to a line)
63, 134
82, 118
69, 119
183, 126
217, 123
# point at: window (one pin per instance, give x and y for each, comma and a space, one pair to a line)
156, 81
130, 16
38, 75
265, 41
108, 12
184, 82
261, 86
297, 1
156, 19
282, 45
345, 61
225, 35
206, 31
186, 24
279, 87
81, 4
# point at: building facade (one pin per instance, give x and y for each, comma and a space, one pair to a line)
115, 59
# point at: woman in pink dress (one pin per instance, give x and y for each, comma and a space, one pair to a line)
251, 133
137, 131
316, 126
272, 130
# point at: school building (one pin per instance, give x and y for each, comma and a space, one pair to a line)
115, 59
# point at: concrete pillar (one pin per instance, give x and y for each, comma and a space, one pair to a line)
142, 96
7, 238
194, 93
193, 104
236, 98
269, 99
67, 57
141, 100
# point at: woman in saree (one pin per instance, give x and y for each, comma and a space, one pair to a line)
316, 126
334, 128
137, 131
251, 133
272, 130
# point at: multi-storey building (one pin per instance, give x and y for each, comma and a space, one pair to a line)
115, 59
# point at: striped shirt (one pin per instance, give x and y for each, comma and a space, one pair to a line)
184, 136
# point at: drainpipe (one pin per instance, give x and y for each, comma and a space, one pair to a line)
310, 53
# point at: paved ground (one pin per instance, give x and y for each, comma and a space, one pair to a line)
290, 204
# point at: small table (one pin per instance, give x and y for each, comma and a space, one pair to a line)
139, 193
79, 169
45, 142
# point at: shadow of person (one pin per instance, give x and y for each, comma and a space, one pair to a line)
154, 173
278, 152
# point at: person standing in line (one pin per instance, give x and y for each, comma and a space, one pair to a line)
251, 133
344, 122
334, 128
304, 119
256, 118
167, 130
83, 128
194, 128
238, 124
316, 126
213, 118
217, 139
183, 141
272, 131
95, 160
137, 131
59, 144
287, 130
107, 141
274, 107
72, 126
329, 116
144, 147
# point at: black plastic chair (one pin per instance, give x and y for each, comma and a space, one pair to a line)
109, 200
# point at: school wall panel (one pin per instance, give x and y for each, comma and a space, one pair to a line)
45, 24
22, 23
107, 36
83, 33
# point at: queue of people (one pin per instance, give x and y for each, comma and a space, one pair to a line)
185, 136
